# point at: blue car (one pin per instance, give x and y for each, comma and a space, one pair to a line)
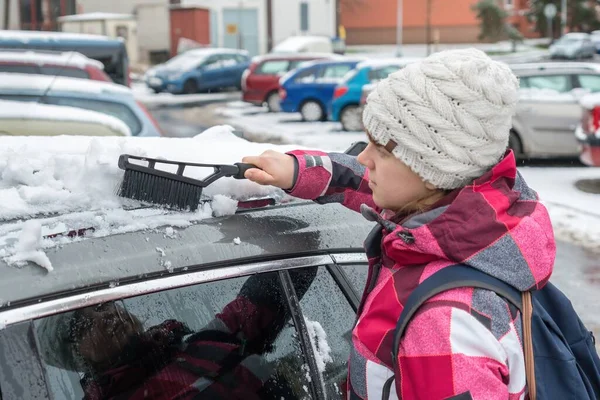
309, 89
346, 98
199, 70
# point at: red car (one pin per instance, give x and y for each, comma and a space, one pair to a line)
588, 132
260, 82
70, 64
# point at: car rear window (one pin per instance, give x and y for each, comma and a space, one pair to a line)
69, 72
116, 110
377, 74
19, 69
272, 67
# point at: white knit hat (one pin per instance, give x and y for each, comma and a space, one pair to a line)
448, 115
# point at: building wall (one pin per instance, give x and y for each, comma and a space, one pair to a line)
153, 30
286, 18
375, 21
13, 19
109, 6
217, 7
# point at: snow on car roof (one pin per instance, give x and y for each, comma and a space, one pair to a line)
296, 43
26, 36
94, 16
69, 58
66, 183
383, 62
58, 83
30, 110
294, 56
206, 51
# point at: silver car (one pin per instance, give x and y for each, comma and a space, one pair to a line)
548, 111
573, 46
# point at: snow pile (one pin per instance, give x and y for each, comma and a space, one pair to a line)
574, 214
37, 111
67, 183
29, 245
590, 101
237, 240
318, 340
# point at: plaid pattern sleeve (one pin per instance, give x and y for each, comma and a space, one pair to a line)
331, 178
448, 352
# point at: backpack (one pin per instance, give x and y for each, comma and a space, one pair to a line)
560, 355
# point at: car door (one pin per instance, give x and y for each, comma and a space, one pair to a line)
328, 78
548, 114
302, 87
210, 73
281, 329
231, 72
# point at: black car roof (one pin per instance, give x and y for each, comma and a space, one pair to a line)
274, 232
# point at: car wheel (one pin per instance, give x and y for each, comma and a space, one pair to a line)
514, 143
350, 117
312, 111
190, 87
274, 102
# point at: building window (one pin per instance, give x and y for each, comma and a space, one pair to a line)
509, 3
304, 17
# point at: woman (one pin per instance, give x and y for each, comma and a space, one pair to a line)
437, 178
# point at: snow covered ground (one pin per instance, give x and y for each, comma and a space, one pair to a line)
575, 214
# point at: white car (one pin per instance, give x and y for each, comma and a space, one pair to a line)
35, 119
573, 46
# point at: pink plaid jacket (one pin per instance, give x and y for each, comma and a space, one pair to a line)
463, 343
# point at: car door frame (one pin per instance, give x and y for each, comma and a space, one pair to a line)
209, 78
19, 327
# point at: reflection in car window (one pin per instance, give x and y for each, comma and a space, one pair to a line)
116, 110
218, 340
70, 72
559, 83
382, 73
591, 82
306, 76
357, 275
272, 67
335, 71
329, 319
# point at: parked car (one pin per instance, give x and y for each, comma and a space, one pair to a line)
587, 132
199, 70
281, 303
34, 119
260, 82
548, 111
595, 37
345, 106
573, 46
71, 64
309, 89
106, 98
110, 52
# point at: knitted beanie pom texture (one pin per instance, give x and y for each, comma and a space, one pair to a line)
450, 115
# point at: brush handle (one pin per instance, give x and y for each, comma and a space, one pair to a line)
242, 168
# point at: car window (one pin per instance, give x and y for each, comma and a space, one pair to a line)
306, 76
226, 339
357, 275
240, 58
378, 74
17, 97
70, 72
116, 110
228, 60
335, 71
329, 318
212, 62
591, 82
272, 67
20, 69
558, 83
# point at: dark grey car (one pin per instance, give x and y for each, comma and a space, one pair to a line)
154, 305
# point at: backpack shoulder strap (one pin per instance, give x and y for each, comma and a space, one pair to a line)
447, 278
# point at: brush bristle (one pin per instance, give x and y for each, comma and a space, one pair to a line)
153, 189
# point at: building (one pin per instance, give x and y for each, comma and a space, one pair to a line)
9, 14
302, 17
375, 21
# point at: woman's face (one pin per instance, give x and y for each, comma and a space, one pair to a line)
109, 328
393, 183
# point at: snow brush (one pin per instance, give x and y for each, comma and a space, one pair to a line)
143, 182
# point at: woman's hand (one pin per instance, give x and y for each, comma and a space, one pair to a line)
276, 169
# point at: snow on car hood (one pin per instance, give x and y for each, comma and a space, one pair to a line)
63, 184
